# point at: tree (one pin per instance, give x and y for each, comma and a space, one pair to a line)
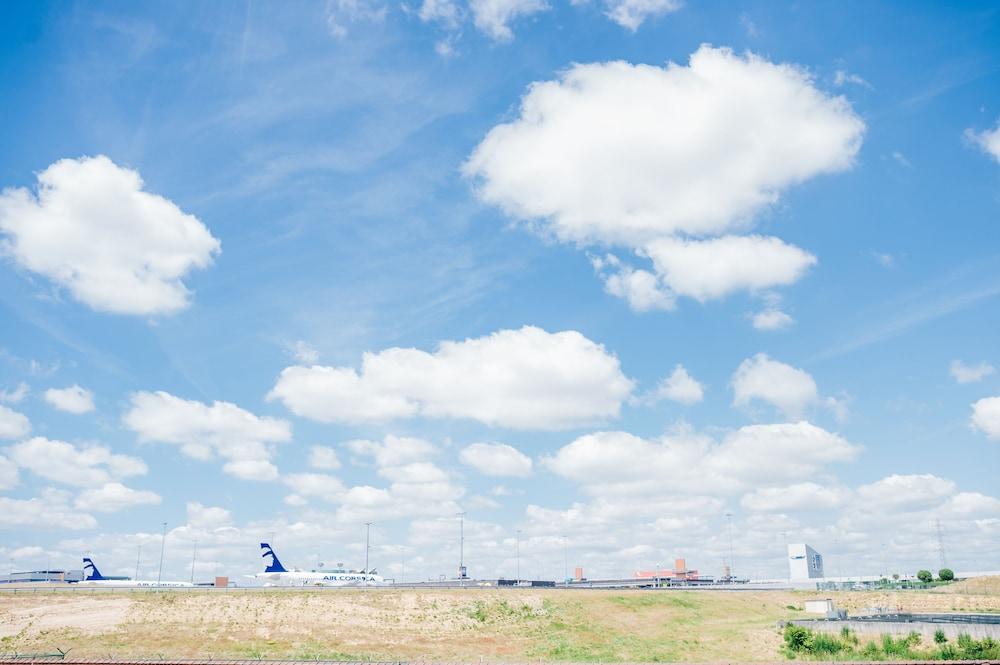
946, 575
925, 576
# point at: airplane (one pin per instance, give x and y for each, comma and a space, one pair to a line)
92, 577
276, 574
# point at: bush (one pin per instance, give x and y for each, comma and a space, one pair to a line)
939, 637
946, 575
798, 639
925, 576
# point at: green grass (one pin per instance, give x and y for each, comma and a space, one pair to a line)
802, 643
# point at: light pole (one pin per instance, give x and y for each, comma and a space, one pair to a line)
517, 555
368, 530
138, 555
461, 545
163, 542
732, 567
565, 560
194, 557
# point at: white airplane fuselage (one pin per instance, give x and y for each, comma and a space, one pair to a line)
318, 578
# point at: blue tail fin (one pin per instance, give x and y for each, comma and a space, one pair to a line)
274, 566
90, 571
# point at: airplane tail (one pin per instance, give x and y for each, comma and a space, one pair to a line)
90, 571
274, 566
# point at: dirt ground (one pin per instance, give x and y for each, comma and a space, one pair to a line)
468, 625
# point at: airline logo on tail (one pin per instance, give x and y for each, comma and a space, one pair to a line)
90, 571
274, 566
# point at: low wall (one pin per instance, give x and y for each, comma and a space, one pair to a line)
926, 629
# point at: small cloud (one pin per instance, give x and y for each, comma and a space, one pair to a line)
963, 373
901, 159
73, 399
771, 319
884, 259
749, 27
304, 352
988, 141
679, 387
842, 77
16, 395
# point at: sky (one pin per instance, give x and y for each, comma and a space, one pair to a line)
623, 281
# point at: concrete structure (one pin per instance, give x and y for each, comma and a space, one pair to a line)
804, 563
823, 607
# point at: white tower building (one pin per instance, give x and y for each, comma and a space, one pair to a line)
804, 563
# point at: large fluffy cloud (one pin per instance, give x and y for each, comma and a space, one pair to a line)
619, 463
496, 459
113, 497
669, 161
527, 378
79, 466
13, 425
73, 399
986, 416
50, 510
92, 229
244, 440
417, 486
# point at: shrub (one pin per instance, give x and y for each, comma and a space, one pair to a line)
925, 576
939, 637
798, 639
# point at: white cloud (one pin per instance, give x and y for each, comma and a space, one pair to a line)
963, 373
8, 474
641, 289
622, 464
417, 486
323, 457
615, 153
712, 269
84, 466
50, 510
986, 416
16, 395
631, 13
906, 493
496, 459
660, 160
771, 319
796, 497
113, 497
393, 450
842, 77
987, 140
789, 389
73, 399
304, 352
13, 425
93, 230
493, 17
444, 11
679, 387
207, 517
244, 440
341, 13
525, 379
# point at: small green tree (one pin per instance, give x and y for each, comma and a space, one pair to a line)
925, 576
946, 575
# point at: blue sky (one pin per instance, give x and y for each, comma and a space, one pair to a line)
274, 273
